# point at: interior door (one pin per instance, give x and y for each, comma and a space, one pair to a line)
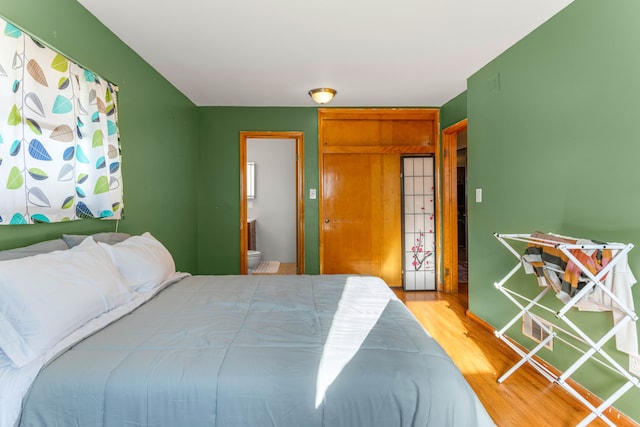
361, 229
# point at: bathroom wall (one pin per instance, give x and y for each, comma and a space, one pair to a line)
274, 207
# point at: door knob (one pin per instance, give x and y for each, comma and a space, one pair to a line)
326, 220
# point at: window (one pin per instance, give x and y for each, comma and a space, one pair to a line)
59, 142
251, 180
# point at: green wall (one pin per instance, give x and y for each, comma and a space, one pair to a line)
453, 111
219, 189
553, 143
158, 130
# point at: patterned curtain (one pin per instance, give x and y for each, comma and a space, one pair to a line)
59, 145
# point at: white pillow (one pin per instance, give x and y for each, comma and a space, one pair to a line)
143, 261
45, 297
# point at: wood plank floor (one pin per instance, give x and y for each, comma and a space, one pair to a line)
287, 268
284, 268
525, 398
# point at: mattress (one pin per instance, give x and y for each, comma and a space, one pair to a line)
327, 350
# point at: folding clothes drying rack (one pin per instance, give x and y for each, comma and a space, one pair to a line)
591, 348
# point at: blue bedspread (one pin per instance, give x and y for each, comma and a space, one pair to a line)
258, 351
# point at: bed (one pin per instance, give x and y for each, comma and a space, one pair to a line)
176, 349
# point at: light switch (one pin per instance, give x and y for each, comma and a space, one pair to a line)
312, 193
478, 195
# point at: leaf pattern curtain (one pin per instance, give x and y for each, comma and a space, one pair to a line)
59, 145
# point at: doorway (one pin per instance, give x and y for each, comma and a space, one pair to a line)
454, 218
296, 139
461, 178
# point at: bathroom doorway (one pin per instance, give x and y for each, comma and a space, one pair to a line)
272, 215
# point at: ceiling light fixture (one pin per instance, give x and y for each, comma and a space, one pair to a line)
322, 95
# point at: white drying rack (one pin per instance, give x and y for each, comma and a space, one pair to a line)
591, 348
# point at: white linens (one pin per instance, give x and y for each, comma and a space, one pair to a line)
15, 382
619, 281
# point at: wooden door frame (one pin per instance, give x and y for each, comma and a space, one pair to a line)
449, 200
299, 144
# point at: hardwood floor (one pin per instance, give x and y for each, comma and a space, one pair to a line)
283, 268
525, 398
287, 268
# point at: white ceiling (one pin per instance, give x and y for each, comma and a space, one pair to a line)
270, 53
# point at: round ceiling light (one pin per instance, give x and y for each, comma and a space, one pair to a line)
322, 95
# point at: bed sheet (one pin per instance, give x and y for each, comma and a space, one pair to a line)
255, 351
15, 383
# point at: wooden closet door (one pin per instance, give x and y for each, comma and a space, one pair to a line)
361, 230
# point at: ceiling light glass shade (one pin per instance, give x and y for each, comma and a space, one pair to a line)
322, 95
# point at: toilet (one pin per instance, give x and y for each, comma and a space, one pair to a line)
254, 259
